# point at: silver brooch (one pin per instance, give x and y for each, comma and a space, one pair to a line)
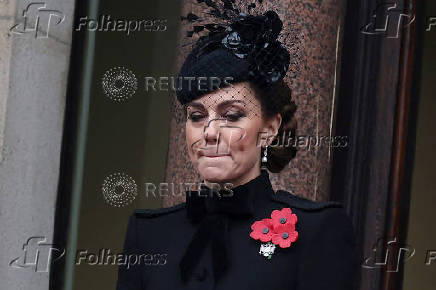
267, 249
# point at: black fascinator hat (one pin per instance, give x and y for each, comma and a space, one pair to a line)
246, 49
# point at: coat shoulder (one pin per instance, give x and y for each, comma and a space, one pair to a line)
292, 200
152, 213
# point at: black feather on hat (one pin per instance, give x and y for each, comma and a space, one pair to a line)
247, 49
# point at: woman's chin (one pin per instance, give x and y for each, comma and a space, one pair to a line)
215, 173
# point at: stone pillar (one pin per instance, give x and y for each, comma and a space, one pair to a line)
33, 78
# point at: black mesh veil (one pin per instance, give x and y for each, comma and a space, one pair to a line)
246, 29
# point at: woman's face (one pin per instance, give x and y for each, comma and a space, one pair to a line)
224, 133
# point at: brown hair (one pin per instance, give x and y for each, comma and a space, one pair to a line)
273, 100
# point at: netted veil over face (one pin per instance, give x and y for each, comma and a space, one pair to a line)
231, 42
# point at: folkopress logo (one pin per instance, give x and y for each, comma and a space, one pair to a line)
37, 255
38, 19
388, 20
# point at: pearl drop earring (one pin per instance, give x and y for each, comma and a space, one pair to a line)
265, 153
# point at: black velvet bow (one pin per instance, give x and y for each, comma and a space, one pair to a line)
213, 211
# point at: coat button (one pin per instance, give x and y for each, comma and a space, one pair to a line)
201, 275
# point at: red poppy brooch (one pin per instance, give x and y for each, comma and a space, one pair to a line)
278, 230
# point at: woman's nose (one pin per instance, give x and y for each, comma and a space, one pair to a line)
211, 130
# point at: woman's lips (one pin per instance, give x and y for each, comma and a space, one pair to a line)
211, 154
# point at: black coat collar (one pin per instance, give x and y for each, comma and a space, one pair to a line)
238, 201
214, 211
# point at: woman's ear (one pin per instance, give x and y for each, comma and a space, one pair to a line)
271, 126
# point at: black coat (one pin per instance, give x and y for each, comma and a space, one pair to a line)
323, 257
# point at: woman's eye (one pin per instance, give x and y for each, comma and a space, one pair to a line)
233, 117
195, 117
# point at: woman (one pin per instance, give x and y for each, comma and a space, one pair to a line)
235, 232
